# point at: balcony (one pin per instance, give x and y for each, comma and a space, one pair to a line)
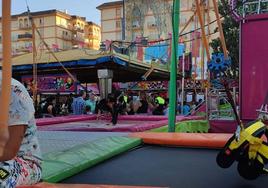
78, 30
91, 36
66, 37
78, 40
79, 37
26, 36
23, 50
25, 26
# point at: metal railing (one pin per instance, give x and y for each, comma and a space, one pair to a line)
256, 7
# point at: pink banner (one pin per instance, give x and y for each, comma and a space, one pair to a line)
50, 83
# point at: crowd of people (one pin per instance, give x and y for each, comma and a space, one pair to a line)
116, 103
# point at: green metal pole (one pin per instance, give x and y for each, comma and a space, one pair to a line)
173, 67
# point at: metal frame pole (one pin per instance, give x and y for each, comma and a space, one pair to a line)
6, 73
173, 67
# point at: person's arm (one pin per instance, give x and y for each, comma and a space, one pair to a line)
16, 134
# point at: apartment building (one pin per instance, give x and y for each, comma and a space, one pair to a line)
112, 20
60, 30
151, 19
93, 33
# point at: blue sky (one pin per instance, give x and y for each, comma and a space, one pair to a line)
84, 8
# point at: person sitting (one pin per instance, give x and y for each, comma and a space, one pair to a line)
166, 109
21, 160
186, 109
48, 108
106, 106
143, 107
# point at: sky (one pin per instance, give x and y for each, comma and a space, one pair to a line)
83, 8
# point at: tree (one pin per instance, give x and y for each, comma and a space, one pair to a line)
231, 33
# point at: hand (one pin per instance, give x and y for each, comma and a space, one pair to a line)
98, 116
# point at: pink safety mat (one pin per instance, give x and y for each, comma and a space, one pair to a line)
136, 123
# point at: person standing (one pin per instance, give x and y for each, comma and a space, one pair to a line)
91, 103
69, 103
79, 104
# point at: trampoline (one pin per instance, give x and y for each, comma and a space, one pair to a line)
167, 167
152, 164
137, 123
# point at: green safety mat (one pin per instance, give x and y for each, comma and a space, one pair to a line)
63, 164
192, 126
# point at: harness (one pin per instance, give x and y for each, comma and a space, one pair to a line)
250, 150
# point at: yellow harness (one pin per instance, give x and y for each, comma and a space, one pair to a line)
257, 148
249, 149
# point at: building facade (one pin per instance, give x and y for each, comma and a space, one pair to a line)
151, 19
93, 33
112, 20
60, 31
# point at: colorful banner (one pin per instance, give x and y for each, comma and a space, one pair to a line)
50, 83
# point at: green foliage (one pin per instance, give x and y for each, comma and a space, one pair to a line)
231, 33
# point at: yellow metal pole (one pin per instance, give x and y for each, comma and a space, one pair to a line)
202, 8
6, 74
204, 39
188, 23
208, 19
34, 65
222, 38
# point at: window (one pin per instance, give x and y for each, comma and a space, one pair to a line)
26, 22
151, 24
136, 17
118, 24
135, 24
41, 21
14, 37
118, 12
65, 35
63, 22
20, 23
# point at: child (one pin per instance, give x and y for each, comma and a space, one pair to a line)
21, 162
